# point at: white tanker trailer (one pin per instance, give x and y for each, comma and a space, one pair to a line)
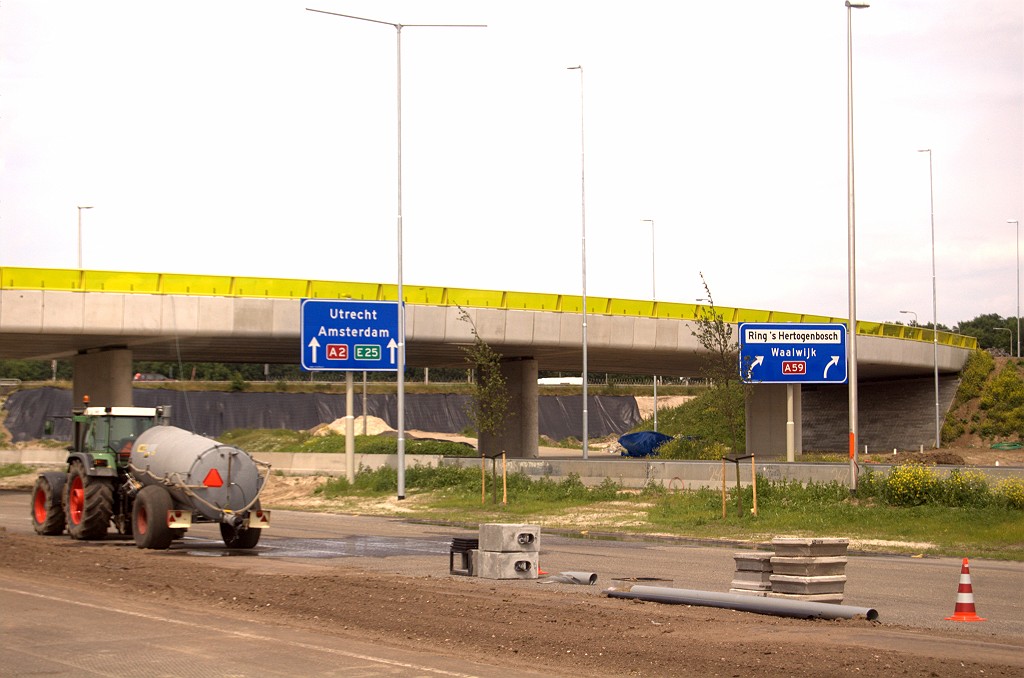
128, 468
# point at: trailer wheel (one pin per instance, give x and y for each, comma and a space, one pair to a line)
149, 518
47, 511
240, 537
88, 503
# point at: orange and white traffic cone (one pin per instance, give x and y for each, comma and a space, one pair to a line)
964, 610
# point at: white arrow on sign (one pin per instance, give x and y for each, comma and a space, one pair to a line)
392, 345
758, 359
314, 344
834, 361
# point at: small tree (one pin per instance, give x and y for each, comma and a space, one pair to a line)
489, 403
720, 365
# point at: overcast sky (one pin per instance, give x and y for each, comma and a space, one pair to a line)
257, 138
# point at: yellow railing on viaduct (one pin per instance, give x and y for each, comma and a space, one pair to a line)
75, 280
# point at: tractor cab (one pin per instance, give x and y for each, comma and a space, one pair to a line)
108, 433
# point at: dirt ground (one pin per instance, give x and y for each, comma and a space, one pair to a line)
512, 627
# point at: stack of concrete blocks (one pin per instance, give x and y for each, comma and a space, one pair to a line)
508, 551
753, 573
809, 569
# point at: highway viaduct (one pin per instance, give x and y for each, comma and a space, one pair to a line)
103, 320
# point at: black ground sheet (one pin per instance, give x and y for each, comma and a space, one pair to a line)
210, 413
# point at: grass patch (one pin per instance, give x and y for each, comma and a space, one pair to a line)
984, 522
283, 440
8, 470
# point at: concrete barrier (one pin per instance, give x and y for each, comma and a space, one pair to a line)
629, 473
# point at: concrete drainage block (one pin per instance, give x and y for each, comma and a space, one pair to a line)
508, 551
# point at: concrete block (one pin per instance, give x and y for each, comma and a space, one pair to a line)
753, 561
784, 583
834, 598
789, 547
510, 538
735, 585
805, 566
751, 592
498, 565
752, 579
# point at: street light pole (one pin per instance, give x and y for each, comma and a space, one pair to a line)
1016, 223
851, 244
401, 298
80, 208
654, 300
935, 313
583, 222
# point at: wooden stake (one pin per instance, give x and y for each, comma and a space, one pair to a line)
723, 488
753, 481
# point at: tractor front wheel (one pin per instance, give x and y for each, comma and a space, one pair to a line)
88, 503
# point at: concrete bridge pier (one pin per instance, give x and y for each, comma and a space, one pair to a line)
105, 375
520, 437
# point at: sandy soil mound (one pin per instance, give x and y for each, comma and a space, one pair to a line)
374, 425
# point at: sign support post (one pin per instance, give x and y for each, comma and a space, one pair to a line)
790, 425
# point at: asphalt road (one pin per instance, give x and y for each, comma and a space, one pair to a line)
906, 591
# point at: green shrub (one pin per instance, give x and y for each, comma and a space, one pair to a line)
445, 476
961, 489
381, 480
1003, 400
972, 378
334, 488
238, 382
909, 485
686, 447
871, 485
1010, 492
952, 428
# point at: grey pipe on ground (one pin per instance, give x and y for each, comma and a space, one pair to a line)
585, 578
780, 607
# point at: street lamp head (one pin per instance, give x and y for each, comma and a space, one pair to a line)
911, 313
573, 68
1013, 221
85, 207
857, 5
924, 150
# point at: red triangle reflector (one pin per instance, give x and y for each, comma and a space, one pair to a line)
213, 479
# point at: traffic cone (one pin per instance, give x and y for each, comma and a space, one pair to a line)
964, 610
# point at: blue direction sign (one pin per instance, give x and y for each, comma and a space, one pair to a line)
349, 335
793, 353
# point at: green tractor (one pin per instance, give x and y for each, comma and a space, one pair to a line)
95, 491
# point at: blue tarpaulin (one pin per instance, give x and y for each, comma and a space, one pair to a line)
643, 443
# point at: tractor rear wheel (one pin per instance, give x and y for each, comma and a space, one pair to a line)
47, 511
88, 503
149, 518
